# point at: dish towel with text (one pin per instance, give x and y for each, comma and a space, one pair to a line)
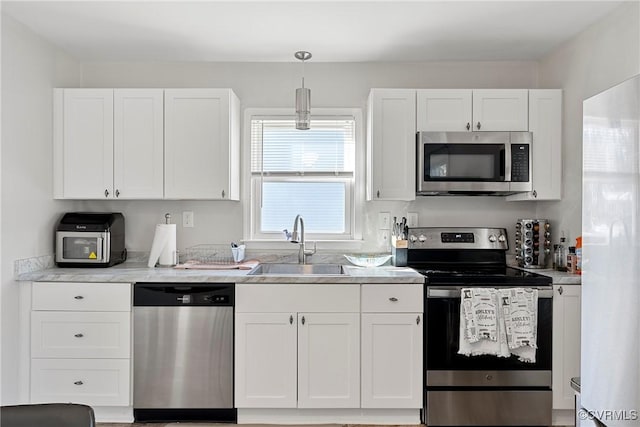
481, 331
519, 309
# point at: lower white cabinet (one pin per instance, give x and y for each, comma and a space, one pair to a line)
566, 343
392, 351
81, 343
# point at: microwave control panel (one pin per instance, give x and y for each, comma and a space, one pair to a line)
519, 162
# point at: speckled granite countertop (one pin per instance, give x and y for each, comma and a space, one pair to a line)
139, 272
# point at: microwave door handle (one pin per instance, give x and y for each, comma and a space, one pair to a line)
99, 248
505, 162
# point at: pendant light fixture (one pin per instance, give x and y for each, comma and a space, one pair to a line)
303, 97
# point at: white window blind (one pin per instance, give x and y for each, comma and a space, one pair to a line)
310, 173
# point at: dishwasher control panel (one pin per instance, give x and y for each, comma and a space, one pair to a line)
183, 294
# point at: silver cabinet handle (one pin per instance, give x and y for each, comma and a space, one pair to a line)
291, 320
393, 299
79, 297
303, 320
418, 320
468, 126
223, 194
378, 194
560, 290
535, 193
106, 193
78, 335
78, 383
117, 193
478, 125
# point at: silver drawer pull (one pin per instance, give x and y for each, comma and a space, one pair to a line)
393, 299
79, 297
78, 383
78, 335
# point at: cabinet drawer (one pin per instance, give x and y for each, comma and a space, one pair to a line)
66, 296
94, 382
280, 298
60, 334
392, 298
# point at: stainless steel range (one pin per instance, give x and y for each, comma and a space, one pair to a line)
477, 390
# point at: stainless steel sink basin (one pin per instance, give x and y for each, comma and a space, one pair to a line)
297, 270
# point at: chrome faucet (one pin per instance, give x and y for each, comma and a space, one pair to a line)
299, 238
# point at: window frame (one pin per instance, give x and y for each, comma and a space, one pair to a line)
251, 187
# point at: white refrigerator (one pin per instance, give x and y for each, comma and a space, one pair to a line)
610, 352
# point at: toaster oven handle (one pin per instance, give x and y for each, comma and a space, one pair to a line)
100, 249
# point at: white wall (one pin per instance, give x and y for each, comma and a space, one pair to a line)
601, 56
332, 85
31, 67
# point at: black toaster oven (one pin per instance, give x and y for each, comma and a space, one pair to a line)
90, 239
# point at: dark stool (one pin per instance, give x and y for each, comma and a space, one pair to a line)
47, 415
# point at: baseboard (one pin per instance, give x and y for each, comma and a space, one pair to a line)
329, 416
563, 417
113, 414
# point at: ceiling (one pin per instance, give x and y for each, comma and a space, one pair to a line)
334, 31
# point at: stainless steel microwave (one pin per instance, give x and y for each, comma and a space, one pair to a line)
90, 239
473, 163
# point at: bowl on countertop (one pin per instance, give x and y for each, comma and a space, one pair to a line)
368, 260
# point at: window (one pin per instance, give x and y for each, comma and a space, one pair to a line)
311, 173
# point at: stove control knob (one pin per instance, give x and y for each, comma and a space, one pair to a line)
413, 238
422, 238
493, 238
502, 238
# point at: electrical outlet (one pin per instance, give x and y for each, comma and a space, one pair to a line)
187, 219
384, 221
384, 238
412, 219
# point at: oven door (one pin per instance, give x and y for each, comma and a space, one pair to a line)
452, 161
82, 247
446, 368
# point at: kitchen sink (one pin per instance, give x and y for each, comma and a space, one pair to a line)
298, 270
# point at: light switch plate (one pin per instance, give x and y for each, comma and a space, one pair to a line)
187, 219
412, 219
384, 221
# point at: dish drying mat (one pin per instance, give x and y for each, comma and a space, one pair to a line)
213, 257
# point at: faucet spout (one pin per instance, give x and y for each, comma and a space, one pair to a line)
298, 238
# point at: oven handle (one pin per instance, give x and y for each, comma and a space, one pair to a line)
454, 292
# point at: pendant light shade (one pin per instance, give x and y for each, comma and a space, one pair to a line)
303, 97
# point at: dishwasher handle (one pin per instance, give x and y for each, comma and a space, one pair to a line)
183, 294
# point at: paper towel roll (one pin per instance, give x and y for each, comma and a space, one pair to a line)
163, 248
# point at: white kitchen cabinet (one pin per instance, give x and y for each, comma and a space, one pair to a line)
328, 360
392, 346
297, 346
81, 343
443, 110
202, 144
566, 343
108, 143
266, 360
500, 110
83, 143
391, 144
446, 110
545, 122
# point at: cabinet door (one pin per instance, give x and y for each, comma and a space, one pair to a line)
328, 360
545, 122
392, 360
265, 360
566, 343
138, 143
84, 147
197, 144
500, 110
391, 145
443, 110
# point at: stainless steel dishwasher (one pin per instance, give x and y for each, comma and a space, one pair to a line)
183, 352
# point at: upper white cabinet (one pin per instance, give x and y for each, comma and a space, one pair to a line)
391, 144
146, 144
566, 343
545, 122
83, 143
446, 110
201, 144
